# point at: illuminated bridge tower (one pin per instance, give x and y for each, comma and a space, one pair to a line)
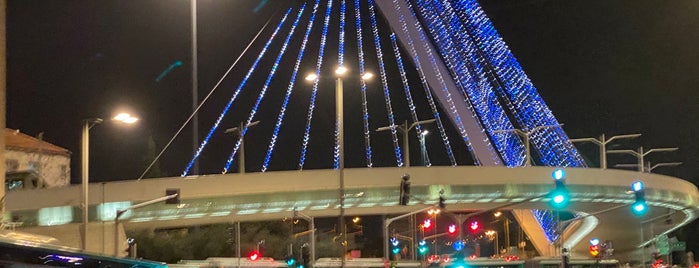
485, 92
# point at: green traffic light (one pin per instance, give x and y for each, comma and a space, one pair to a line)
422, 250
559, 199
422, 247
639, 208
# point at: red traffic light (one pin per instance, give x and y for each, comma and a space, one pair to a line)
427, 224
594, 250
451, 229
474, 226
254, 255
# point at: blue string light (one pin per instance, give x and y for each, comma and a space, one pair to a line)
235, 95
463, 23
341, 42
387, 95
548, 223
450, 102
428, 92
408, 96
314, 92
446, 31
365, 108
289, 90
264, 90
526, 105
340, 61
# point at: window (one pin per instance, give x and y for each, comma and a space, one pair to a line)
11, 165
64, 172
35, 165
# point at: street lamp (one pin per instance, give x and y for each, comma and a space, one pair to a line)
339, 117
405, 128
603, 145
650, 167
423, 148
505, 226
85, 163
241, 153
195, 84
525, 135
641, 154
120, 212
494, 234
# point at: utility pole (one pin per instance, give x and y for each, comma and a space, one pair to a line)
640, 154
603, 145
525, 135
404, 129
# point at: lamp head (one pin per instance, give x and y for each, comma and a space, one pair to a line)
341, 70
311, 77
125, 118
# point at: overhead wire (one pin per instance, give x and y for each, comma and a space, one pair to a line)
289, 90
384, 83
314, 92
263, 91
235, 94
207, 97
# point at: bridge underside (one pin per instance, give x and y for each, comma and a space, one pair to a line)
274, 195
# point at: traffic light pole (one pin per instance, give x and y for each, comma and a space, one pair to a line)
120, 212
312, 230
387, 223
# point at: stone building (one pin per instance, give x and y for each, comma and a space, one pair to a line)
33, 163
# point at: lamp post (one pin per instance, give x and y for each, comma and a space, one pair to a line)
423, 148
195, 85
506, 228
433, 215
404, 129
120, 212
602, 143
650, 167
241, 153
525, 135
85, 164
492, 234
640, 154
339, 117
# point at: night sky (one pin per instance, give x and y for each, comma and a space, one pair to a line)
612, 67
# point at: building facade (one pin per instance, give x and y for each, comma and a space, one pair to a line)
34, 163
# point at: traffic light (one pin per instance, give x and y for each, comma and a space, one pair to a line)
422, 248
594, 250
594, 247
305, 257
474, 227
639, 207
560, 197
458, 245
441, 202
174, 200
451, 229
404, 190
290, 261
427, 224
395, 245
254, 255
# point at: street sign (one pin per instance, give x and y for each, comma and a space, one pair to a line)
662, 243
678, 246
